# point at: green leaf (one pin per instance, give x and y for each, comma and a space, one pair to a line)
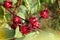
1, 1
39, 5
5, 25
32, 5
44, 1
52, 1
14, 1
22, 12
47, 1
34, 10
19, 38
1, 13
43, 35
6, 16
18, 33
6, 33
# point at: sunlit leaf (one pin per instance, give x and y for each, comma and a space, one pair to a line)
14, 1
18, 33
22, 12
43, 35
1, 1
52, 1
6, 33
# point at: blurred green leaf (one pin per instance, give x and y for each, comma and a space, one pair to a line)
22, 12
52, 1
5, 25
18, 33
6, 33
43, 35
1, 1
7, 17
14, 1
1, 13
32, 5
44, 1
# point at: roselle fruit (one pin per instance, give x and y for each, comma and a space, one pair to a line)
32, 20
16, 20
44, 13
7, 4
24, 29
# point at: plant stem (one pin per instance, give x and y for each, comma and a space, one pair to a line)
1, 4
15, 14
17, 5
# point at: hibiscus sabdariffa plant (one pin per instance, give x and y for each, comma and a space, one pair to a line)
31, 23
27, 14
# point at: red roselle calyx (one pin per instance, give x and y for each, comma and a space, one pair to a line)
24, 29
44, 13
32, 20
16, 20
7, 4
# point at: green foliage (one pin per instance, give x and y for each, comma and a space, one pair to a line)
1, 1
33, 7
1, 12
14, 1
6, 33
22, 11
43, 35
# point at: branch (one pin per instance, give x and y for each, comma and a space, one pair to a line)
11, 12
1, 4
17, 5
15, 14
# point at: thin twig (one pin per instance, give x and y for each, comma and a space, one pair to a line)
1, 4
17, 5
11, 12
15, 14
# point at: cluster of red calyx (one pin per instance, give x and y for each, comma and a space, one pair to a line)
7, 4
33, 22
24, 29
44, 13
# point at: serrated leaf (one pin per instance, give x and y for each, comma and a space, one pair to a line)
6, 33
